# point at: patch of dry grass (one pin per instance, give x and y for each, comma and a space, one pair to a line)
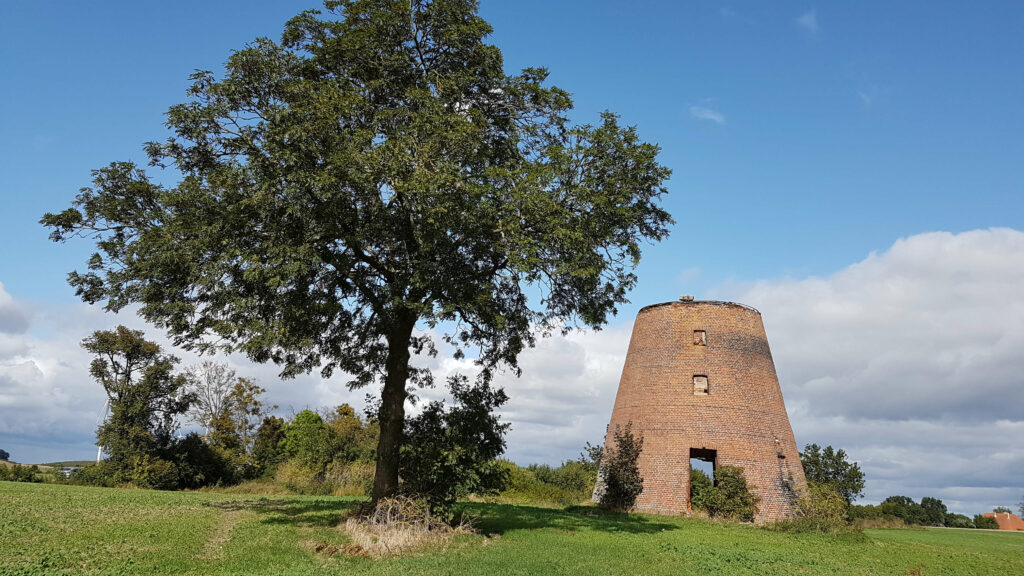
396, 525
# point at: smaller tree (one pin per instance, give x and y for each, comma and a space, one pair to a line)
452, 452
620, 482
905, 508
822, 508
145, 398
831, 465
267, 450
958, 521
985, 522
1002, 510
1020, 507
308, 441
934, 511
5, 455
210, 383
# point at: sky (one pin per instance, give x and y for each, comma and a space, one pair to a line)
853, 170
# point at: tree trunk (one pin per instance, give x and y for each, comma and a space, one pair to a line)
392, 410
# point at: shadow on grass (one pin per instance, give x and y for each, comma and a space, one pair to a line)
488, 518
500, 518
313, 513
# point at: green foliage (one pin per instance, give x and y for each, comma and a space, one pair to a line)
1002, 510
147, 471
934, 511
569, 484
831, 465
701, 489
307, 440
620, 478
1020, 507
958, 521
985, 522
267, 452
729, 497
451, 452
97, 474
375, 171
820, 509
904, 508
351, 439
145, 397
19, 473
200, 463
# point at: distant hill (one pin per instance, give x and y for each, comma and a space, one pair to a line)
69, 463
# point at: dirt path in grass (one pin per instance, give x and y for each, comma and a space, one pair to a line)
214, 547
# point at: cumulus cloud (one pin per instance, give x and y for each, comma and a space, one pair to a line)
808, 21
910, 359
13, 320
702, 113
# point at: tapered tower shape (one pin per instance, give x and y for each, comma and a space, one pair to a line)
699, 383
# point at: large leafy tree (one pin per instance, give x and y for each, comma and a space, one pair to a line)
829, 465
373, 172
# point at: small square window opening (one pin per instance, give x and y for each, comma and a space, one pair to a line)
700, 385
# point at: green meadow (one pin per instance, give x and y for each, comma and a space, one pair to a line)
56, 529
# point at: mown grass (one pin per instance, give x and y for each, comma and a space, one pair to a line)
52, 529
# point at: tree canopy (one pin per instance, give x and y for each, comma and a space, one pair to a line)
374, 171
831, 466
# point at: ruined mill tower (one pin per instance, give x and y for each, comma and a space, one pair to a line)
699, 383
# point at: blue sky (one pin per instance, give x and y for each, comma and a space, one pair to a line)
806, 140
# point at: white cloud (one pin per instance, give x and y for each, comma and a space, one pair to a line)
910, 360
808, 21
702, 113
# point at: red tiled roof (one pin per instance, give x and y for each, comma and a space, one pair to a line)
1006, 520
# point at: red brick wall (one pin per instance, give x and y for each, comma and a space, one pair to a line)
743, 417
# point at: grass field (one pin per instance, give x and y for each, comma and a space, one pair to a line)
53, 529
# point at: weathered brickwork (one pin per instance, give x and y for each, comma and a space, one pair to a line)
741, 417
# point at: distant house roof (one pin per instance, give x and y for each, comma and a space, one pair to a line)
1006, 520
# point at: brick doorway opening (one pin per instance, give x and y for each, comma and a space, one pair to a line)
702, 465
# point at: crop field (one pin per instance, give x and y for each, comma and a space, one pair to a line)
53, 529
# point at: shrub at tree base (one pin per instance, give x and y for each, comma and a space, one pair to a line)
620, 478
450, 452
395, 525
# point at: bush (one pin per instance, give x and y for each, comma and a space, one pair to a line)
100, 474
150, 472
730, 497
567, 485
822, 508
959, 521
620, 478
985, 522
451, 452
349, 478
19, 473
200, 464
701, 488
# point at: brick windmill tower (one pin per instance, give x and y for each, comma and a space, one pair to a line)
699, 384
